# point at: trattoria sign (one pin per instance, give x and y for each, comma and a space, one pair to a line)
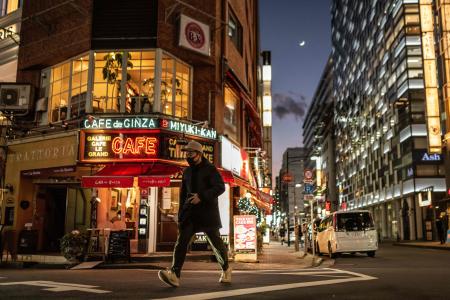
99, 122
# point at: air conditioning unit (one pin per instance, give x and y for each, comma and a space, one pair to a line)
15, 97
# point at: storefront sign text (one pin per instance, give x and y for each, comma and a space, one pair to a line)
431, 157
6, 32
107, 181
99, 122
48, 171
115, 146
136, 145
174, 150
245, 234
149, 181
121, 123
44, 153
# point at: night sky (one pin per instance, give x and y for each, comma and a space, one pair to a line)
296, 69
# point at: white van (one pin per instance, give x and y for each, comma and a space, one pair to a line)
347, 231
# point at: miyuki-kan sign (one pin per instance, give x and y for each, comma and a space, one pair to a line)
99, 122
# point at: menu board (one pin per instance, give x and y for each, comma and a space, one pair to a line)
245, 235
119, 245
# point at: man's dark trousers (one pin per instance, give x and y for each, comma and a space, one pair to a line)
185, 235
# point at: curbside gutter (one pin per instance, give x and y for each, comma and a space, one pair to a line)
418, 245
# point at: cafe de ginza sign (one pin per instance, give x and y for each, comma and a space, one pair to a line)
99, 122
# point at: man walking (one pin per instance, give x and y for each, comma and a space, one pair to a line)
198, 212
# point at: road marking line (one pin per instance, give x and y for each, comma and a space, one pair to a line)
53, 286
335, 276
272, 288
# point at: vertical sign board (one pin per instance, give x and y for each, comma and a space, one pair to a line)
245, 238
430, 76
144, 213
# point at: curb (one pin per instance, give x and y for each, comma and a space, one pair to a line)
32, 265
421, 246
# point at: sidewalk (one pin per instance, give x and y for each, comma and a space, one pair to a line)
424, 244
274, 256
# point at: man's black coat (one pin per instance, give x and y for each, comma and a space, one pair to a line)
209, 185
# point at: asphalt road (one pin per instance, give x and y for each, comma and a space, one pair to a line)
395, 273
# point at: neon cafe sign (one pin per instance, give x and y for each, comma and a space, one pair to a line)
116, 146
148, 123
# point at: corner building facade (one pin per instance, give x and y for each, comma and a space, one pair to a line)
120, 87
381, 89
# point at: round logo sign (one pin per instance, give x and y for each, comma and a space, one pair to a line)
194, 35
308, 174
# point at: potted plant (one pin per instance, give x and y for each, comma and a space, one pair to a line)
74, 245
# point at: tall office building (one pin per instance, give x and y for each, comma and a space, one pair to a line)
290, 181
319, 142
388, 149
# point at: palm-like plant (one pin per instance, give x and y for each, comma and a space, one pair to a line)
112, 70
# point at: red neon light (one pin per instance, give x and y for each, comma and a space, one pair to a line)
164, 123
135, 145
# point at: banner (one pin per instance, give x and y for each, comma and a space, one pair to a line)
194, 35
245, 237
107, 181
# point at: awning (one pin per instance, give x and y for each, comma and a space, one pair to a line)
122, 175
227, 176
153, 169
265, 197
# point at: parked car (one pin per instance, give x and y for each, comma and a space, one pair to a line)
347, 231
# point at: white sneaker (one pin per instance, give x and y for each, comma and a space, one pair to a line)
169, 278
226, 276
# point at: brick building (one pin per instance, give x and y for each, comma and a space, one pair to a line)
118, 89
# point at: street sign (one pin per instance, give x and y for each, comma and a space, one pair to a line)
287, 177
308, 197
309, 188
308, 174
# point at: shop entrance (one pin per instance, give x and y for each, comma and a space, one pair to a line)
405, 219
54, 202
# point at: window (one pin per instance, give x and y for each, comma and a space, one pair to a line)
78, 94
235, 31
140, 82
230, 117
59, 92
426, 170
175, 87
111, 93
9, 6
107, 81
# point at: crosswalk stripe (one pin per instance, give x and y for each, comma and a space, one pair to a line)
278, 287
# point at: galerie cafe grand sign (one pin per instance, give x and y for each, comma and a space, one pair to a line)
133, 145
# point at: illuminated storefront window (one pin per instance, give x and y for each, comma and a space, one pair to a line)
9, 6
122, 81
175, 86
140, 85
107, 82
59, 91
230, 116
78, 94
